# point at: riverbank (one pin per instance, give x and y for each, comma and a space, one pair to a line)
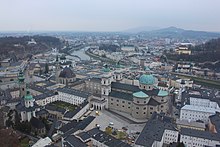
100, 58
202, 81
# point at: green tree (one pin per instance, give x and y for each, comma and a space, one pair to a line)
108, 130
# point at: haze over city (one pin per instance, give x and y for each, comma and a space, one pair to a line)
109, 73
108, 15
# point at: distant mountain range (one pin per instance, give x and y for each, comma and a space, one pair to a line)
141, 29
173, 32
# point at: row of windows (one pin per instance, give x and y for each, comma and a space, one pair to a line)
92, 85
145, 87
116, 77
122, 105
130, 107
200, 116
171, 139
70, 96
122, 101
195, 144
139, 107
195, 113
144, 112
107, 82
139, 102
204, 141
170, 135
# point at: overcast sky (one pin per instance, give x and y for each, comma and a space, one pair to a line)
108, 15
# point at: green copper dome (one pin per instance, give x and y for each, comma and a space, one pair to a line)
118, 65
21, 77
28, 96
162, 93
147, 68
147, 79
140, 94
106, 68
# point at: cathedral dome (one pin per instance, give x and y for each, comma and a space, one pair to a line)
67, 73
140, 94
147, 79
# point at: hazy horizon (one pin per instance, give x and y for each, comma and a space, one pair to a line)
107, 15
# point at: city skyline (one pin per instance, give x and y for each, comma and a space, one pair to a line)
98, 15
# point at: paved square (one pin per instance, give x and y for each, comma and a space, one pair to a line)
105, 117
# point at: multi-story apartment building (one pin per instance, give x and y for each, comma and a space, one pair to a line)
194, 113
198, 138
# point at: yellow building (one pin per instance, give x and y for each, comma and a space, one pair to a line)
183, 50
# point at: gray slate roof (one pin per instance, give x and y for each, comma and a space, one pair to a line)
71, 114
200, 134
106, 139
121, 95
126, 87
44, 95
153, 102
74, 92
74, 126
36, 123
75, 142
154, 129
67, 73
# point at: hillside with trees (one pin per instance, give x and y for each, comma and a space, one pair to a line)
206, 55
109, 47
212, 45
19, 47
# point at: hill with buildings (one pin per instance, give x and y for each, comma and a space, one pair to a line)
173, 32
205, 55
20, 47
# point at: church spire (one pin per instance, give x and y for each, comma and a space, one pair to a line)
22, 84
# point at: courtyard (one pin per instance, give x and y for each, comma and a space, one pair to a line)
64, 105
106, 118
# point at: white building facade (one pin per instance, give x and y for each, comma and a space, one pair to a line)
197, 138
194, 113
204, 103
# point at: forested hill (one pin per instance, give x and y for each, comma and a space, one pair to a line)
21, 46
206, 55
212, 45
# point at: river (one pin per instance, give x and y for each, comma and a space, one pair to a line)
81, 53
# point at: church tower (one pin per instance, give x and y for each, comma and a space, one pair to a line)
118, 76
57, 69
29, 111
106, 81
22, 84
28, 99
106, 85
